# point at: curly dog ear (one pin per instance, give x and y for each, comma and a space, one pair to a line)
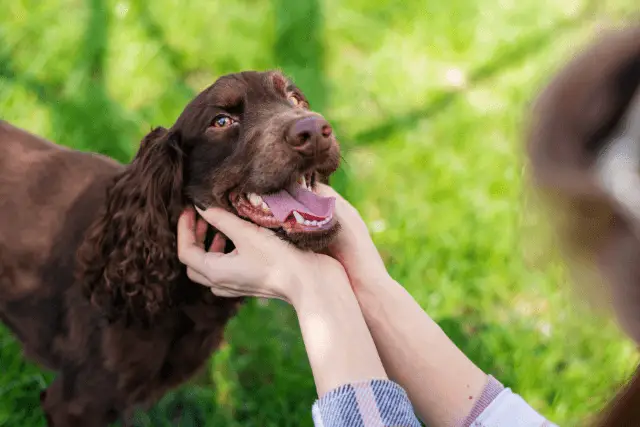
128, 261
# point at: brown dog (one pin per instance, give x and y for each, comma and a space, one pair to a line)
584, 151
90, 281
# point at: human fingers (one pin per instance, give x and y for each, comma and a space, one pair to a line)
232, 293
212, 266
219, 267
218, 270
345, 212
327, 191
190, 252
225, 293
201, 231
215, 269
218, 244
343, 207
197, 277
235, 228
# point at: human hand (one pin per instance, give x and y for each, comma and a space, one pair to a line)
353, 246
262, 264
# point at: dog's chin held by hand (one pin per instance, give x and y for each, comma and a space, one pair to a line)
295, 212
314, 241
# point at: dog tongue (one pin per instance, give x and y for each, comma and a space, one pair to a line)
296, 198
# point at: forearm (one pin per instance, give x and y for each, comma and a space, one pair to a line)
338, 343
442, 383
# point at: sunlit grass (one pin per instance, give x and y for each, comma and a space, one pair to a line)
429, 100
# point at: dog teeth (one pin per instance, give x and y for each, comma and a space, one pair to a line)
305, 181
255, 200
298, 217
309, 223
265, 207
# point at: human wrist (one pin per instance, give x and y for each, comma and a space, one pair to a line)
314, 291
369, 279
338, 343
362, 262
374, 293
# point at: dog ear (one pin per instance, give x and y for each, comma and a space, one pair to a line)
128, 261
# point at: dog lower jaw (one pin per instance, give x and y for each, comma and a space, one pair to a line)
296, 208
312, 242
297, 222
312, 237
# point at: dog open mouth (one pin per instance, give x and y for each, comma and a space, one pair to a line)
296, 209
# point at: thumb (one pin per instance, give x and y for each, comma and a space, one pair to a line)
221, 268
326, 191
229, 224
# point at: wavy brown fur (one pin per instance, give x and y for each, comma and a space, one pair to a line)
90, 282
128, 261
575, 118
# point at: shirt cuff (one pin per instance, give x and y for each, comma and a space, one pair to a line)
374, 403
491, 390
500, 406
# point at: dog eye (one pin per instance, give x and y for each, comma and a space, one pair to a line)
222, 121
294, 100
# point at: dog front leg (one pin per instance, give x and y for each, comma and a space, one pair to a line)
67, 405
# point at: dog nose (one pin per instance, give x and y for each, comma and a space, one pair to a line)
310, 136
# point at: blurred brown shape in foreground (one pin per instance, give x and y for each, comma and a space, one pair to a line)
583, 148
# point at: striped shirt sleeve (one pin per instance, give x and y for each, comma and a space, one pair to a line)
499, 406
374, 403
383, 403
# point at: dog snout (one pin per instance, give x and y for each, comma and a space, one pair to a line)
310, 136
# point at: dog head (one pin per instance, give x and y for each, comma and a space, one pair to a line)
253, 146
248, 143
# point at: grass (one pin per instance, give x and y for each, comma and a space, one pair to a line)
429, 99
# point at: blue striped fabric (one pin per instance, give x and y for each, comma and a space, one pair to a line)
383, 403
374, 403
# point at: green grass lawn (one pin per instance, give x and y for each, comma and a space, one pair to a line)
429, 99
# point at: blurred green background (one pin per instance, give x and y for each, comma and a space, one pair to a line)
429, 99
